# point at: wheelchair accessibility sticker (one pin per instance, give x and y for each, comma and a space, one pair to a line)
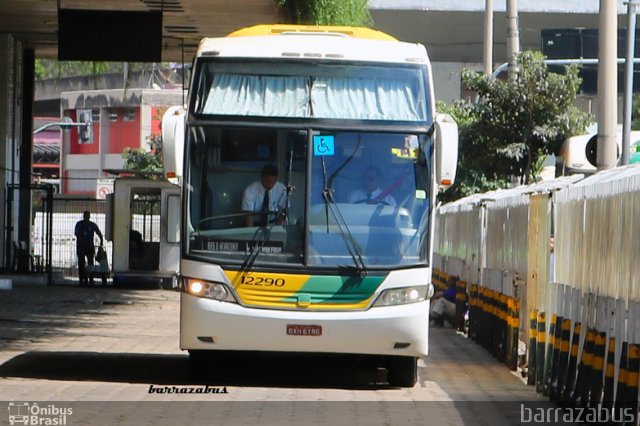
323, 145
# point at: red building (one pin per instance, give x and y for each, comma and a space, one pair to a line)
116, 119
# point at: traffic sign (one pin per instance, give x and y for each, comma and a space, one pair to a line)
103, 188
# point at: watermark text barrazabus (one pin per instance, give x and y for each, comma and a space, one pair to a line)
188, 389
597, 414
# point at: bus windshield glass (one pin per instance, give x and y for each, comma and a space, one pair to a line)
312, 90
305, 197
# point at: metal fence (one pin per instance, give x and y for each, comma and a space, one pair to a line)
66, 213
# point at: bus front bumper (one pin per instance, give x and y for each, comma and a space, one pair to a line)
207, 324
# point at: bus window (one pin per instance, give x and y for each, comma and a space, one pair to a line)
368, 193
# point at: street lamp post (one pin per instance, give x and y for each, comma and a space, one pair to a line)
65, 124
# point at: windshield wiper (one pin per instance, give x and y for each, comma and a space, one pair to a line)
260, 237
331, 206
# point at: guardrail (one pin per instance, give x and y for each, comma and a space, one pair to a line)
553, 281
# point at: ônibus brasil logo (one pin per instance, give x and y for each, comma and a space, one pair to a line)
32, 413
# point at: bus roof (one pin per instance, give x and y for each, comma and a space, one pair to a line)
313, 43
357, 32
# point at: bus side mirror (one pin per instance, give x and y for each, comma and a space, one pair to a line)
173, 128
446, 141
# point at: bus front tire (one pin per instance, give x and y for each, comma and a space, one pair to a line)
402, 371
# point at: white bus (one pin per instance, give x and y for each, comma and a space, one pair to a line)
325, 268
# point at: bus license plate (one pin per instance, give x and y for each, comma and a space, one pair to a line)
304, 330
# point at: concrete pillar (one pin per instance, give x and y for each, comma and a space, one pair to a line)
8, 143
488, 37
513, 37
607, 85
25, 117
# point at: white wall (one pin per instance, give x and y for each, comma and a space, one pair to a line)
446, 79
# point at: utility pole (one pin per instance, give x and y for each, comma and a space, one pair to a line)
488, 37
513, 37
628, 83
607, 85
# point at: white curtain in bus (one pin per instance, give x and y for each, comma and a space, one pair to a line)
364, 99
331, 97
263, 96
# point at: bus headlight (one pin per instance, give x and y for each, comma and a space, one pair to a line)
210, 290
403, 296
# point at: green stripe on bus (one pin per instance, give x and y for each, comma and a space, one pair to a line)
337, 289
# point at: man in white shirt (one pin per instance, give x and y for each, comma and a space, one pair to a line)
371, 193
266, 195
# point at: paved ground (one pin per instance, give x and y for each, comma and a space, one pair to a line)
66, 346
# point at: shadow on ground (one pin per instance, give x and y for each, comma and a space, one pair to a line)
238, 369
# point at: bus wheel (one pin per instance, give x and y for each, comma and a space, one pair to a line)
403, 371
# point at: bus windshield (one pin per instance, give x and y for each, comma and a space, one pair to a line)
305, 197
312, 90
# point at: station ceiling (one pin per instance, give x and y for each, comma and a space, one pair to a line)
450, 36
184, 22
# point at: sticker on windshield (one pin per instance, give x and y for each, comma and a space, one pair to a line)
409, 149
421, 194
323, 145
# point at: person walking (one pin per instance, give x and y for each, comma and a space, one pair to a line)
85, 231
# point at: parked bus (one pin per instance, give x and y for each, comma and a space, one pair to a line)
318, 268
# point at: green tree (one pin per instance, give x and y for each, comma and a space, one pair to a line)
635, 113
514, 124
46, 69
476, 172
326, 12
141, 160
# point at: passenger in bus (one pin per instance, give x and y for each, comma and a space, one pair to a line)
267, 196
85, 231
371, 193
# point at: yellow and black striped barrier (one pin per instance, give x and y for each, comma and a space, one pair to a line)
583, 387
621, 392
488, 323
549, 356
486, 314
597, 370
540, 352
570, 381
473, 311
513, 324
563, 363
501, 319
555, 361
609, 375
482, 316
633, 373
533, 338
439, 280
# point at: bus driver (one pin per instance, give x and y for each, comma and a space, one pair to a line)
266, 195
